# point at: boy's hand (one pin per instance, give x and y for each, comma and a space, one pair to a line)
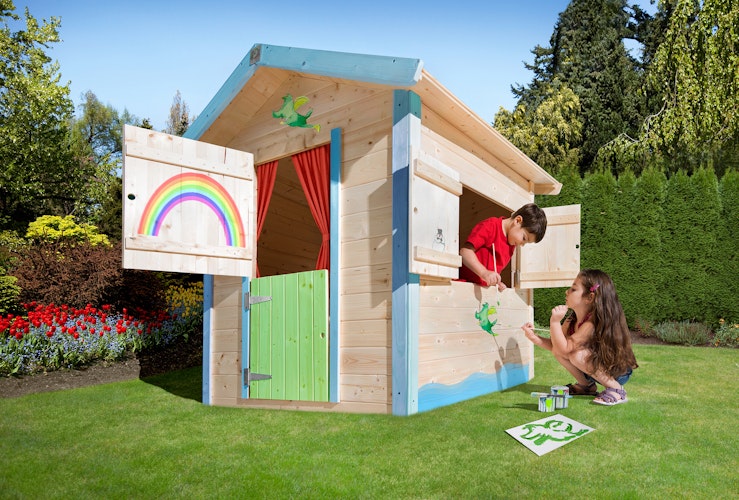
558, 313
492, 278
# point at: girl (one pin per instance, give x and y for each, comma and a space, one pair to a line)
593, 343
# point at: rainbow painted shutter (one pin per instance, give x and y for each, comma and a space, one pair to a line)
188, 206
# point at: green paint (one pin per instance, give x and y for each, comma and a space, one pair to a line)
483, 317
551, 430
289, 337
289, 113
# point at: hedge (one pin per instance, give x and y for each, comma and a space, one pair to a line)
667, 243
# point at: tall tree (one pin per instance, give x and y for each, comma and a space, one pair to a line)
696, 71
548, 132
35, 160
97, 142
179, 116
587, 55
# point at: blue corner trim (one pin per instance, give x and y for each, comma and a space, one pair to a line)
207, 310
385, 70
245, 339
405, 285
405, 102
335, 260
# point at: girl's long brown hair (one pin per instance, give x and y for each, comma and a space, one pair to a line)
610, 344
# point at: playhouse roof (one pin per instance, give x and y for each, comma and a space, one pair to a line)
278, 63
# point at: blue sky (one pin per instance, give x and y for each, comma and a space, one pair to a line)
137, 54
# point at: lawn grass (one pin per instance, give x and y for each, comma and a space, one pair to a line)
676, 438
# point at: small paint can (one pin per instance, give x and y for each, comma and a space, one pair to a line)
546, 403
562, 391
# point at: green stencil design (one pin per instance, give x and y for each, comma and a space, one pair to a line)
289, 113
483, 317
552, 430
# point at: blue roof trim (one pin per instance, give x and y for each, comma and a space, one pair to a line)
385, 70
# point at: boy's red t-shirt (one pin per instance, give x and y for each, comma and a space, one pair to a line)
482, 237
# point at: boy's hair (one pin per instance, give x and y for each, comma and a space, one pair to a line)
534, 220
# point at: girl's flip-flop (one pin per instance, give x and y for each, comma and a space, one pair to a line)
611, 397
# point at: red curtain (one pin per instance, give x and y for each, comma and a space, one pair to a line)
313, 168
266, 174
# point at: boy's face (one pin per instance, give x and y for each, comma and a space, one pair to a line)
519, 236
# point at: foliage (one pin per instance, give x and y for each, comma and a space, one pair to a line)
695, 71
548, 133
640, 293
37, 174
683, 332
179, 116
668, 244
51, 337
586, 54
726, 335
9, 293
599, 227
726, 263
52, 228
97, 142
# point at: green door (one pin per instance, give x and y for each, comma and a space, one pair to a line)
288, 337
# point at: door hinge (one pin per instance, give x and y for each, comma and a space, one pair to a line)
249, 376
256, 299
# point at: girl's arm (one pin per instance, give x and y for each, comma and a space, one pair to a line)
528, 329
559, 341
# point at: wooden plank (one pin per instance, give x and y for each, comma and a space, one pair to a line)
435, 257
435, 176
366, 306
365, 361
486, 178
366, 279
154, 244
350, 407
367, 252
225, 389
365, 388
320, 344
366, 197
366, 333
369, 224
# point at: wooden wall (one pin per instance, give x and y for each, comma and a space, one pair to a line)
453, 346
365, 117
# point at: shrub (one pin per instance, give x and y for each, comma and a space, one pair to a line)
726, 335
53, 228
54, 273
683, 332
9, 293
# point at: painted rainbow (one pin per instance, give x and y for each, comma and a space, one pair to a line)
193, 187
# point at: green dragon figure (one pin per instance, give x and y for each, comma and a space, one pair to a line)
289, 113
553, 430
483, 317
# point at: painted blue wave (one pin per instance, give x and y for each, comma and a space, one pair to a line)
432, 396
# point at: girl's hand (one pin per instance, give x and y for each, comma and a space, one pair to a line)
528, 329
558, 313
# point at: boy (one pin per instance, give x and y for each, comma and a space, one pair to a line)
526, 225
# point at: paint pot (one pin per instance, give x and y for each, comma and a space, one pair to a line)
563, 392
546, 402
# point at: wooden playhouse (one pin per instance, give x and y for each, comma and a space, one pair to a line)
323, 196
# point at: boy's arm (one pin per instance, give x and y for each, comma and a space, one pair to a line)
470, 260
